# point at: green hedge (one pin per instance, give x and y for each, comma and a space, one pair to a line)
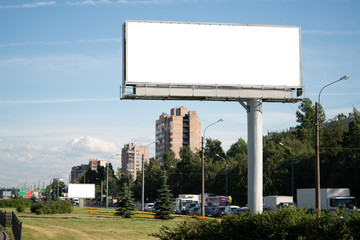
52, 207
284, 224
14, 203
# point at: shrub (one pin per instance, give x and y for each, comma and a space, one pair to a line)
52, 207
14, 203
283, 224
20, 208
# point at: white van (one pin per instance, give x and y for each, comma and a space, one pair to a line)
231, 209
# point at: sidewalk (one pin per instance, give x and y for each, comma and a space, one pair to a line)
3, 236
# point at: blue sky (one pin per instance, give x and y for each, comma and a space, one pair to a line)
61, 70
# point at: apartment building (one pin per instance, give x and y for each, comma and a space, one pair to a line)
78, 171
94, 163
131, 158
179, 129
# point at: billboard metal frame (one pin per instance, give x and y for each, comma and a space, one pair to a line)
209, 92
252, 92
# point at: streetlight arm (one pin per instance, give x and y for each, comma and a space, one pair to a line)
203, 169
345, 77
317, 152
220, 120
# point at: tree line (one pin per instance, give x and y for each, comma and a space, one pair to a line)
339, 156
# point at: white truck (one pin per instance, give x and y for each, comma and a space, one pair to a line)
184, 200
330, 198
273, 202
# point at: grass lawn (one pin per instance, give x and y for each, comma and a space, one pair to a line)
81, 225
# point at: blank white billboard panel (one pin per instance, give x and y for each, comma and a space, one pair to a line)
212, 54
81, 191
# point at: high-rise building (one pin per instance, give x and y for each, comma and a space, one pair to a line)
131, 158
94, 163
78, 171
179, 129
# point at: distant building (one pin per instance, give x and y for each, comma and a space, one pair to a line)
131, 158
78, 171
95, 163
292, 130
58, 180
179, 129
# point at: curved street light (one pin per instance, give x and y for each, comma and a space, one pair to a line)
226, 176
292, 171
317, 152
203, 168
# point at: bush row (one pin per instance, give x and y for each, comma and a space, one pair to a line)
282, 224
52, 207
14, 203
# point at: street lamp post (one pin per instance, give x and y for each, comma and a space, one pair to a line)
226, 175
203, 168
107, 180
101, 190
143, 179
292, 171
317, 148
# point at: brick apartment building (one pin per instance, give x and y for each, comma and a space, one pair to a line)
78, 171
179, 129
131, 158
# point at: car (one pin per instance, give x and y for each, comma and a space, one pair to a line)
149, 207
209, 212
195, 211
241, 210
220, 211
286, 204
230, 209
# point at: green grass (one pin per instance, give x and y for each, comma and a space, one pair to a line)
81, 225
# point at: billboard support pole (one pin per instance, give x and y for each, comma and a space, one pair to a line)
255, 155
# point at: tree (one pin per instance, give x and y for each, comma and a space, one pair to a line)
126, 203
189, 171
164, 202
54, 188
237, 149
305, 116
212, 148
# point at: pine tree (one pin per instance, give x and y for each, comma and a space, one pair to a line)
126, 204
164, 204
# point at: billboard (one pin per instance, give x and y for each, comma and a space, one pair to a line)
6, 194
81, 191
184, 60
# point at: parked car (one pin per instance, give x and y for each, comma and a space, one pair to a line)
149, 207
220, 211
195, 211
286, 204
230, 209
240, 210
209, 212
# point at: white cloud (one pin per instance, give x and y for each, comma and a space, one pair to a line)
32, 163
338, 33
92, 145
30, 5
89, 2
63, 63
70, 100
81, 41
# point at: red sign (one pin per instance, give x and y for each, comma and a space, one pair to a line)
28, 194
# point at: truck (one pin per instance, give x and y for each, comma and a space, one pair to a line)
183, 202
330, 198
273, 202
214, 201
